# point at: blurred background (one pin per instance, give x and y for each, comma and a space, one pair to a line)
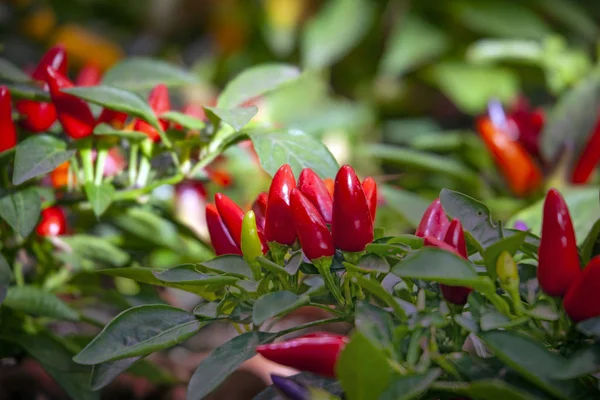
393, 87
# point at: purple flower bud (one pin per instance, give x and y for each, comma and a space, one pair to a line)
289, 388
520, 225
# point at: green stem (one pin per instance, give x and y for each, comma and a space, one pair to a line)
133, 160
18, 271
85, 150
145, 166
101, 157
309, 325
323, 265
327, 308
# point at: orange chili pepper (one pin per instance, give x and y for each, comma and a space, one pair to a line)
329, 183
60, 175
520, 171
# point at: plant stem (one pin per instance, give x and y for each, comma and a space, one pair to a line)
85, 150
323, 265
133, 159
101, 157
308, 325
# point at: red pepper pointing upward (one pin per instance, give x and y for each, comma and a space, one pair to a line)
260, 210
434, 221
53, 222
558, 261
279, 224
219, 235
315, 190
55, 58
8, 133
312, 231
455, 237
581, 301
588, 159
232, 215
370, 189
160, 103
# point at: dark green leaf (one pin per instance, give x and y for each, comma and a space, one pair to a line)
583, 362
510, 244
237, 118
338, 27
207, 310
406, 387
223, 361
151, 227
572, 15
409, 205
5, 276
229, 264
295, 148
103, 374
373, 263
139, 73
591, 244
38, 155
21, 210
35, 301
292, 265
590, 327
12, 73
187, 274
28, 92
187, 121
97, 249
367, 379
374, 323
375, 288
99, 196
276, 303
107, 130
139, 331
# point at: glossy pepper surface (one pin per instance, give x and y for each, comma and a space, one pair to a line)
260, 210
53, 222
315, 237
253, 243
279, 223
434, 221
158, 99
8, 132
316, 354
352, 225
589, 158
558, 261
89, 75
582, 300
220, 238
370, 189
73, 113
232, 215
455, 237
55, 58
315, 190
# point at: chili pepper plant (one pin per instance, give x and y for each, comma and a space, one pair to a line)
462, 307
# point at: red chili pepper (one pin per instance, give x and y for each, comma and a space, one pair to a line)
558, 261
219, 235
314, 235
529, 124
73, 113
89, 75
370, 189
316, 354
315, 190
279, 221
260, 210
352, 225
8, 133
432, 241
158, 99
53, 222
329, 184
581, 301
232, 215
434, 221
55, 58
455, 237
588, 159
189, 184
116, 119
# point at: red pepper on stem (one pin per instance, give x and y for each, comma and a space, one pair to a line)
315, 190
581, 301
434, 221
315, 238
558, 261
260, 210
158, 99
279, 220
8, 133
352, 225
370, 189
53, 222
455, 237
588, 159
232, 215
219, 235
316, 354
89, 75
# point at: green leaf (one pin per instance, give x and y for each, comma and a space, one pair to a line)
510, 244
374, 323
38, 155
12, 73
373, 263
591, 244
590, 327
5, 276
295, 148
497, 50
375, 288
409, 205
276, 303
406, 387
485, 82
35, 301
583, 362
531, 360
28, 92
429, 263
237, 118
150, 227
139, 331
572, 15
146, 275
107, 130
187, 274
99, 196
338, 27
363, 369
97, 249
225, 359
474, 216
412, 43
229, 264
254, 82
117, 99
103, 374
583, 207
139, 73
187, 121
490, 389
21, 210
423, 161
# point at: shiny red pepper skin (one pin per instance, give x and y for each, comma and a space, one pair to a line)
73, 113
315, 190
232, 215
279, 223
432, 241
8, 133
370, 189
158, 99
89, 75
455, 237
581, 301
316, 354
116, 119
219, 235
558, 261
352, 225
53, 222
55, 58
314, 235
260, 210
434, 221
588, 159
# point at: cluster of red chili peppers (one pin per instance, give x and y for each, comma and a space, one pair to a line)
513, 139
303, 211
